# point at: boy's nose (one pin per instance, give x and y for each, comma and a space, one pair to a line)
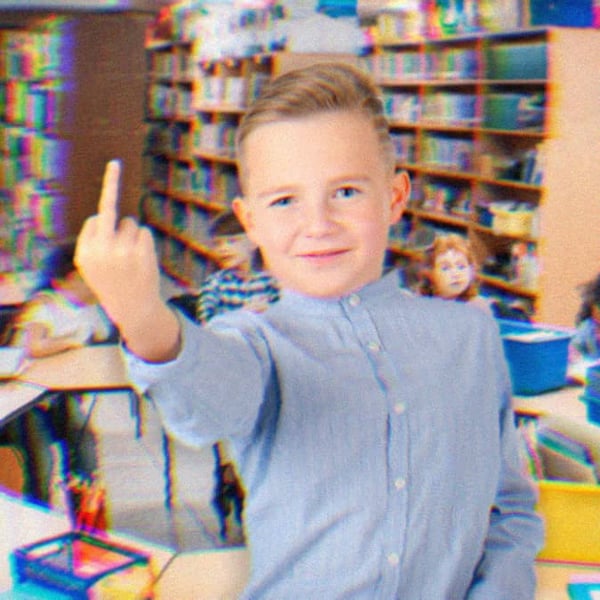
318, 219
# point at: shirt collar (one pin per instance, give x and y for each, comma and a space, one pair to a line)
329, 306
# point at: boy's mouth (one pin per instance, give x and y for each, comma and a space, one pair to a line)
322, 256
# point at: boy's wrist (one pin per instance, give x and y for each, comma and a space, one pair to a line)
154, 335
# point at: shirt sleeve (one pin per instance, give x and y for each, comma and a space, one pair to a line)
515, 536
189, 390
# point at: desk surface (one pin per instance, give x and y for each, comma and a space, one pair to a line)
98, 367
554, 577
564, 402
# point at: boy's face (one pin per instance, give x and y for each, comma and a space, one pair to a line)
233, 251
452, 274
319, 200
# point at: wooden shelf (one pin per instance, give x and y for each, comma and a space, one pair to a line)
483, 73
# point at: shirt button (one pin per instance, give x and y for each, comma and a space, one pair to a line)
393, 559
399, 408
373, 346
400, 483
354, 300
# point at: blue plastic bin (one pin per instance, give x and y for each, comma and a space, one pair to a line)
537, 356
592, 387
593, 408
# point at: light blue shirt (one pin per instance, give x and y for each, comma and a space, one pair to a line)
376, 441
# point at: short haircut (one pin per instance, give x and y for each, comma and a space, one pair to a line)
319, 88
59, 262
225, 223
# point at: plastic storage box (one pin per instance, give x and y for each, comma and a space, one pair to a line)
571, 517
593, 408
536, 355
591, 394
82, 567
511, 222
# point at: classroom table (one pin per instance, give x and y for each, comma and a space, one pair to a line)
95, 368
563, 402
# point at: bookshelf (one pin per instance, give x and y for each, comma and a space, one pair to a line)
69, 101
193, 111
498, 131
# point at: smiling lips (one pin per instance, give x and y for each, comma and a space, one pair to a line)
322, 256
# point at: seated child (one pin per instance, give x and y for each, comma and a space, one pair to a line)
376, 464
63, 315
450, 271
585, 345
240, 281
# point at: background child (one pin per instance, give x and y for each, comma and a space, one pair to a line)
450, 271
240, 281
63, 315
585, 345
376, 464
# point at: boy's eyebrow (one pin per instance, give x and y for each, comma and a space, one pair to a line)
288, 190
285, 190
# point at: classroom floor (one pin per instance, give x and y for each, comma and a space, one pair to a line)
160, 494
134, 463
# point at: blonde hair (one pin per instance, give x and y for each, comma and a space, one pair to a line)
319, 88
441, 245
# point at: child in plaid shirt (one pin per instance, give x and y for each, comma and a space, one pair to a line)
240, 283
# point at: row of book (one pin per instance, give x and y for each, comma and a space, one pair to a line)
179, 259
174, 66
446, 64
192, 220
29, 155
218, 138
168, 102
232, 90
217, 186
34, 54
507, 111
448, 153
31, 103
447, 108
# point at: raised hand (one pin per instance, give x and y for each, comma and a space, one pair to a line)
117, 259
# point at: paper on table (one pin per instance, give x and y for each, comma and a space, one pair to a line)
15, 397
12, 360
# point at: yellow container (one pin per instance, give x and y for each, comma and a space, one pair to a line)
571, 512
511, 222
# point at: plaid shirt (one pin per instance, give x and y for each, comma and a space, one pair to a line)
227, 290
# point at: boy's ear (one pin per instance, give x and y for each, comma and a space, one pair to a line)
400, 195
244, 215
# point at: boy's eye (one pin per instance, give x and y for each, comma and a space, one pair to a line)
283, 201
346, 192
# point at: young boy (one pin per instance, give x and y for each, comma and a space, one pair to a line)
372, 428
